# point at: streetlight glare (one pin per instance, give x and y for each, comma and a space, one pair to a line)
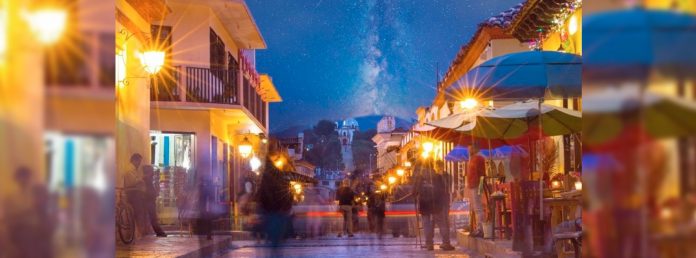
245, 148
255, 163
152, 61
400, 172
392, 180
427, 146
383, 187
47, 24
468, 104
407, 164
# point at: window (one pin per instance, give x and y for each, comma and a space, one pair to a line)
217, 51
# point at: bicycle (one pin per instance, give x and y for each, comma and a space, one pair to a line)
125, 223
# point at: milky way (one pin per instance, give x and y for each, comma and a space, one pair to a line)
336, 59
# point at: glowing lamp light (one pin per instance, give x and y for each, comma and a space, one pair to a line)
152, 61
573, 25
245, 148
400, 172
578, 185
427, 146
278, 163
264, 140
555, 184
297, 186
383, 187
47, 24
425, 154
468, 104
407, 164
254, 163
666, 213
392, 180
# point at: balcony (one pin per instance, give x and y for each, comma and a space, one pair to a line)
195, 84
183, 84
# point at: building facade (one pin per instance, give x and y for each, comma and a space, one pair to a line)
207, 99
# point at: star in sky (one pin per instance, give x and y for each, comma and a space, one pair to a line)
334, 59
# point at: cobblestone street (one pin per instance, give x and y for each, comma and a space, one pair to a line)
362, 245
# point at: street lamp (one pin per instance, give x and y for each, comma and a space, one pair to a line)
468, 104
245, 148
427, 146
400, 172
383, 187
392, 180
47, 24
152, 60
407, 164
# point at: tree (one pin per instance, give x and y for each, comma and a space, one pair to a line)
363, 147
326, 148
325, 128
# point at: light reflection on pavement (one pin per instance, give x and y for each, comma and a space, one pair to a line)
362, 245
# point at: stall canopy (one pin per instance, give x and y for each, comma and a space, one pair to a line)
628, 44
513, 122
617, 113
461, 153
522, 75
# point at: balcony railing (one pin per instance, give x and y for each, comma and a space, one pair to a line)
195, 84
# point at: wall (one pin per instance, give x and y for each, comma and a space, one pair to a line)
133, 98
191, 24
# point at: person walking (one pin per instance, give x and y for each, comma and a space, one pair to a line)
151, 193
431, 187
475, 169
275, 203
345, 196
376, 204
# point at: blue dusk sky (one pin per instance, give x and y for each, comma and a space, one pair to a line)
335, 59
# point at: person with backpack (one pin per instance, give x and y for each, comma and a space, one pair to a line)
431, 189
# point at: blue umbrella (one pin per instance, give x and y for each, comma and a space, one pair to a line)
522, 75
460, 153
628, 44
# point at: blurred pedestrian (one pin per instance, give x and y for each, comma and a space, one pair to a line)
345, 197
376, 204
151, 193
475, 169
432, 189
205, 202
27, 219
275, 202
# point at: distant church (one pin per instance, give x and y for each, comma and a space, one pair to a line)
345, 135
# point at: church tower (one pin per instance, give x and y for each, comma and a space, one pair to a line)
345, 136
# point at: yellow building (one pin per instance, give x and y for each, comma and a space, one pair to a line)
191, 115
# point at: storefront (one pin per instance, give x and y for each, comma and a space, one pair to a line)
173, 157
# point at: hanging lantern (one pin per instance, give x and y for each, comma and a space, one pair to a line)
245, 148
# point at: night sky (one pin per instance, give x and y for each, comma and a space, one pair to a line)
336, 59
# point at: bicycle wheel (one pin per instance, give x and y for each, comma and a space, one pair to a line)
126, 224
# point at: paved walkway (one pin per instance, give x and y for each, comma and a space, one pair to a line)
361, 246
174, 246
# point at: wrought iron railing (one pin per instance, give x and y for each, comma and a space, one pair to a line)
196, 84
